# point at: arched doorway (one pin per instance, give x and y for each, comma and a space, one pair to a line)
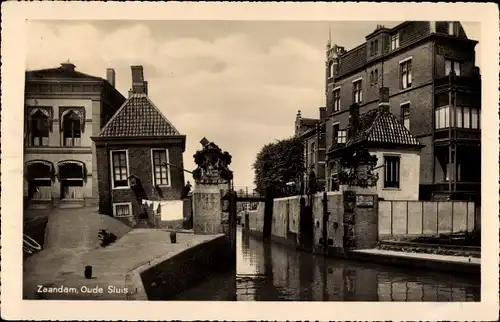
72, 175
39, 175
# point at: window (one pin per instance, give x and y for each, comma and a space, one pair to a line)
71, 176
405, 115
466, 117
39, 176
452, 28
335, 134
391, 178
330, 69
357, 91
452, 65
160, 168
375, 76
342, 136
336, 100
442, 117
395, 41
122, 209
375, 47
371, 78
71, 129
405, 68
119, 168
39, 129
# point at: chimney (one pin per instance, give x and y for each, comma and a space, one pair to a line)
354, 119
111, 76
68, 66
322, 113
383, 104
139, 86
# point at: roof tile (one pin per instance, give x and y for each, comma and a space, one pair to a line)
138, 116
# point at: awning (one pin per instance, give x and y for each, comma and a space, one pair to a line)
39, 169
71, 169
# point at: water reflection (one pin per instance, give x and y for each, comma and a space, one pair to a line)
274, 272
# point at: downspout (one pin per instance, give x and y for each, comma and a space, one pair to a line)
433, 100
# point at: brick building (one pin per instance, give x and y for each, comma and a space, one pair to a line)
434, 88
135, 151
63, 109
312, 133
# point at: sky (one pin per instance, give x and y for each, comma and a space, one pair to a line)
237, 83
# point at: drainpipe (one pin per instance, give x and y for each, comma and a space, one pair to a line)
433, 111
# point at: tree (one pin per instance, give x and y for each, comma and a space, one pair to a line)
277, 164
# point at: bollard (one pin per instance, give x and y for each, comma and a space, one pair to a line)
173, 237
88, 272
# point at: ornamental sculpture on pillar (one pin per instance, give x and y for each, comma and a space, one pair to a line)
212, 165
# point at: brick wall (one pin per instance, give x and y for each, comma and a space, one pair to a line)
140, 166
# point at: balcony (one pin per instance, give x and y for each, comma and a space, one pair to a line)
460, 135
460, 83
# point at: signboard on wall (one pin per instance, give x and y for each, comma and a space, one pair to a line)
365, 201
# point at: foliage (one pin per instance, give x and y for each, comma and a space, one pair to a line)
277, 164
357, 167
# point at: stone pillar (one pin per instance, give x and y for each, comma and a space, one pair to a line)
211, 172
207, 209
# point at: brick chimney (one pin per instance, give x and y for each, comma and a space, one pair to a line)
68, 66
322, 113
383, 104
111, 76
354, 119
139, 86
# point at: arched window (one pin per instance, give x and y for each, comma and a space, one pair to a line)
71, 129
39, 175
39, 128
71, 176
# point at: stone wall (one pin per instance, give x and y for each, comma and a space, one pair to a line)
286, 218
187, 269
417, 218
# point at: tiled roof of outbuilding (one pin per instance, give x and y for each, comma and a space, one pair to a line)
138, 116
382, 127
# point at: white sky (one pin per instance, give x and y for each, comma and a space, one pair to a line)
238, 83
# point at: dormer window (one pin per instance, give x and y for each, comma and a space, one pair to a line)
395, 41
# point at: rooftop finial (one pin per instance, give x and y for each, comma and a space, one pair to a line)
329, 44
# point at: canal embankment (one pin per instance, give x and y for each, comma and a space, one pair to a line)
143, 264
336, 223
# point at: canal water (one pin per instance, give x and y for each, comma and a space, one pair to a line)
273, 272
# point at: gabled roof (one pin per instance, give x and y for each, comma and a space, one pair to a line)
60, 73
138, 117
380, 127
308, 122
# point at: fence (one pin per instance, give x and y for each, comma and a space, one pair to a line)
413, 218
